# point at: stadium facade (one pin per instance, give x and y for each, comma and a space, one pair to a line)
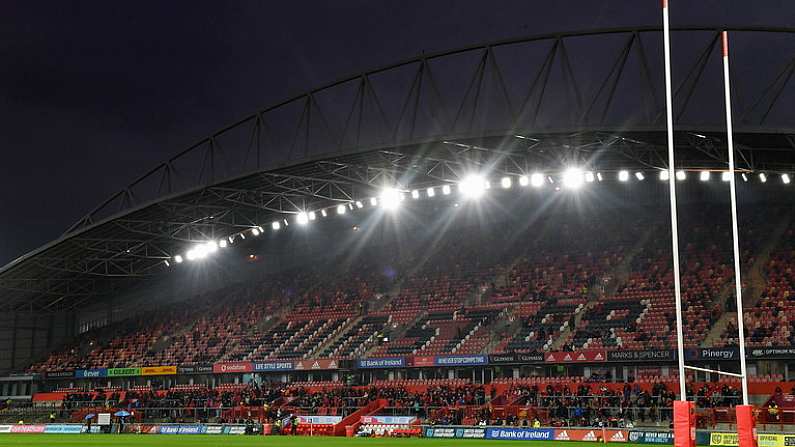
162, 282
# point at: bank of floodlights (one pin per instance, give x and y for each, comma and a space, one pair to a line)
472, 186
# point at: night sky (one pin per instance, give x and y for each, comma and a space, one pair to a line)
93, 94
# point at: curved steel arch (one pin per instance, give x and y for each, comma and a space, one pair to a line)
460, 114
401, 124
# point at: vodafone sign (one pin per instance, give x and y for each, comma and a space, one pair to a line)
233, 367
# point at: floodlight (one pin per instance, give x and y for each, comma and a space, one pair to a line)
524, 181
785, 178
373, 201
415, 194
211, 246
222, 243
341, 209
390, 198
312, 215
537, 180
178, 259
359, 204
726, 176
639, 175
191, 254
664, 175
431, 192
506, 182
762, 177
472, 186
745, 177
255, 231
302, 218
276, 225
599, 176
623, 176
572, 178
589, 177
681, 175
704, 176
446, 190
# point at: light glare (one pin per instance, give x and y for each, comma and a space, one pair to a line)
302, 218
276, 225
589, 177
178, 259
537, 180
472, 186
390, 198
623, 176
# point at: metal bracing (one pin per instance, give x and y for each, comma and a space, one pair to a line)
512, 107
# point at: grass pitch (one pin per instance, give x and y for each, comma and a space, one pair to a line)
34, 440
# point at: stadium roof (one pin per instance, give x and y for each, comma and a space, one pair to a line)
540, 103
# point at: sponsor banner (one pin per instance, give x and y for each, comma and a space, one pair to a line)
91, 373
530, 358
319, 420
732, 353
60, 374
37, 428
423, 361
389, 420
235, 430
233, 367
440, 432
63, 428
188, 429
516, 358
123, 372
528, 434
158, 370
592, 435
191, 429
771, 440
273, 366
316, 364
5, 429
723, 439
461, 360
586, 356
214, 430
470, 433
772, 353
194, 369
386, 362
502, 358
652, 355
651, 437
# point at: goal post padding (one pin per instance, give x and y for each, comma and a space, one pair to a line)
684, 424
746, 426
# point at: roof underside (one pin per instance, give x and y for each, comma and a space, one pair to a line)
509, 108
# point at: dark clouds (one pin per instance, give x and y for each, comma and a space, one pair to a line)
93, 93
